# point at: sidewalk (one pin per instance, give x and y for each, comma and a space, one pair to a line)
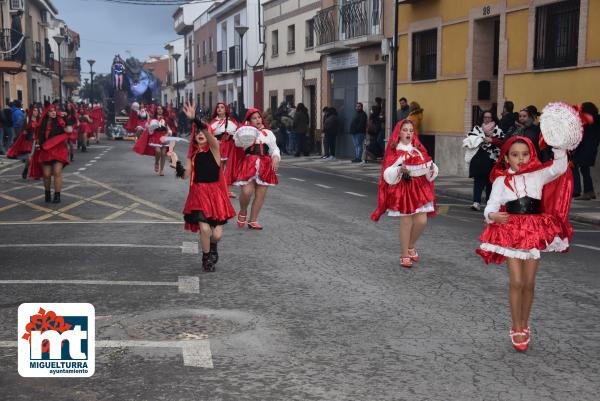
458, 187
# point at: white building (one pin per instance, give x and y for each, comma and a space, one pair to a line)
229, 15
176, 72
292, 70
183, 23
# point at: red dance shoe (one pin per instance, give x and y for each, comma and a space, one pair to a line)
406, 261
412, 253
241, 220
253, 225
520, 346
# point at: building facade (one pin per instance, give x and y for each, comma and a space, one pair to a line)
353, 38
176, 72
205, 65
292, 68
459, 58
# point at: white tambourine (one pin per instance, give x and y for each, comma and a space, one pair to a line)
561, 126
246, 135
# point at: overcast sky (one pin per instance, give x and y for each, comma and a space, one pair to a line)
108, 28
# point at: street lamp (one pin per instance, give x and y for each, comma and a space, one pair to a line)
91, 63
59, 39
176, 57
241, 30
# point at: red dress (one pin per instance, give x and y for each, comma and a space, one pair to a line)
24, 142
257, 164
224, 130
208, 199
162, 130
406, 194
53, 147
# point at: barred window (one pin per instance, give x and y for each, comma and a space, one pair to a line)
556, 35
424, 55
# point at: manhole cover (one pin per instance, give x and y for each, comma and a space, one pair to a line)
181, 328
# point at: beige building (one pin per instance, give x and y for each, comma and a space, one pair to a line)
292, 67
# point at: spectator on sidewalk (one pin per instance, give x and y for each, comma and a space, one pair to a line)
526, 126
483, 144
300, 128
374, 128
508, 117
415, 115
7, 137
584, 156
403, 111
358, 129
18, 117
331, 127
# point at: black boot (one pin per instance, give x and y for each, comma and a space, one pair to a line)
207, 263
24, 173
48, 196
56, 197
214, 254
71, 156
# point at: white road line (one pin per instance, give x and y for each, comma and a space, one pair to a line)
323, 186
189, 247
97, 157
297, 179
77, 245
25, 223
88, 165
185, 284
93, 161
355, 194
595, 248
81, 169
196, 353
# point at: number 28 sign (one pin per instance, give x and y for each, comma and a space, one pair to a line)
487, 10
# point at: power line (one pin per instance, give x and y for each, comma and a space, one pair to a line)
156, 2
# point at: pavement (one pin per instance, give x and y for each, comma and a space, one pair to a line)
314, 307
446, 185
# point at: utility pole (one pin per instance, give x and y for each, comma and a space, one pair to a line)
28, 43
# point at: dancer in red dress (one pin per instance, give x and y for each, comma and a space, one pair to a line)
224, 126
207, 207
51, 151
85, 128
154, 140
406, 188
527, 213
72, 124
258, 169
22, 147
138, 117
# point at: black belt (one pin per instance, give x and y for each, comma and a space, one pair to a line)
256, 150
524, 205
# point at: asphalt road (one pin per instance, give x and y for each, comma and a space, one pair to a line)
315, 307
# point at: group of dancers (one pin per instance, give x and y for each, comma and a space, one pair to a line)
48, 138
527, 212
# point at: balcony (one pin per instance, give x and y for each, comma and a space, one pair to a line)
71, 69
291, 46
234, 58
222, 61
12, 51
352, 25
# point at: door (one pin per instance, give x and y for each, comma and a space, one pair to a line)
312, 111
258, 89
344, 86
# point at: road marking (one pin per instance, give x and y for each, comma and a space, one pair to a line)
443, 209
355, 194
184, 284
586, 231
134, 198
88, 165
595, 248
297, 179
97, 158
25, 223
189, 247
81, 169
323, 186
93, 161
77, 245
122, 211
39, 208
196, 353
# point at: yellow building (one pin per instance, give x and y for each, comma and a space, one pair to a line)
458, 57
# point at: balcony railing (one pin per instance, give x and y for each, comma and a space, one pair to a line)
71, 65
348, 21
222, 61
309, 41
274, 50
234, 58
11, 45
326, 25
291, 46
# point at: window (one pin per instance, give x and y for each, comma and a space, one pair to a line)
197, 52
310, 33
210, 105
275, 43
210, 48
556, 34
203, 52
291, 36
424, 55
203, 99
273, 102
198, 100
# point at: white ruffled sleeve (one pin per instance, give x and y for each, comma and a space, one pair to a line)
558, 167
391, 175
432, 174
495, 201
273, 148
